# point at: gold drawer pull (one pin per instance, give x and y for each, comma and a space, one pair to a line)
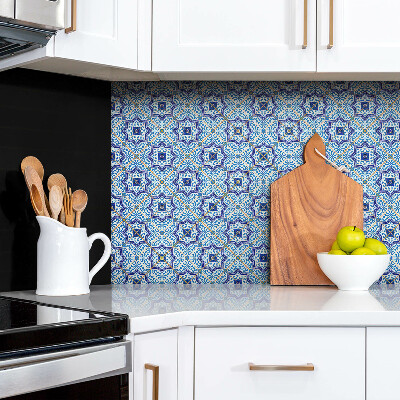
72, 28
155, 370
305, 367
330, 45
305, 26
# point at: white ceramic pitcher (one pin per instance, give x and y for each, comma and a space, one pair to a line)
63, 258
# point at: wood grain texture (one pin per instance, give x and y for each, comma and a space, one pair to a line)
308, 207
32, 177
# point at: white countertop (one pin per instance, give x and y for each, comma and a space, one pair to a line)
154, 307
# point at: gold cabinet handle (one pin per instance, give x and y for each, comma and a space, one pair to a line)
155, 369
72, 28
305, 25
330, 45
305, 367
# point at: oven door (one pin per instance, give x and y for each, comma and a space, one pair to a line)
75, 367
112, 388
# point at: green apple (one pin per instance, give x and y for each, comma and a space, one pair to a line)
363, 251
338, 252
335, 246
350, 238
375, 245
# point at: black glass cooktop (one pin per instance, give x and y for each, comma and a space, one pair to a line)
26, 325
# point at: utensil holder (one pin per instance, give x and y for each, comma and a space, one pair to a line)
63, 259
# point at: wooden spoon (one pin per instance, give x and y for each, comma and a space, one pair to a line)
36, 200
58, 180
79, 202
56, 201
33, 162
32, 178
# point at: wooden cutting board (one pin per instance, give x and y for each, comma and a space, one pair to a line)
308, 207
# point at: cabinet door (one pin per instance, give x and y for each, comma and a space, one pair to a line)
233, 35
222, 357
383, 354
106, 34
159, 349
365, 36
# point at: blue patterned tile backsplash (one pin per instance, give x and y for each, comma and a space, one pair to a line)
192, 164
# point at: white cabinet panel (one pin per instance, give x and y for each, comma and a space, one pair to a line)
222, 357
161, 349
382, 363
106, 34
233, 35
366, 36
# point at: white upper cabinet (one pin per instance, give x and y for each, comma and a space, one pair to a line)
106, 33
224, 39
234, 35
111, 40
365, 36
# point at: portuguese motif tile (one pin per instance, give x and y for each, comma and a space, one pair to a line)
192, 164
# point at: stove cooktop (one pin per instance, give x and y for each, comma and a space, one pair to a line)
27, 325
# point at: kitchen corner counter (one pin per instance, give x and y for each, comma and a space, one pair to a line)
156, 307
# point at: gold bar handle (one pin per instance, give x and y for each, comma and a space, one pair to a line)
155, 369
305, 25
330, 45
72, 28
305, 367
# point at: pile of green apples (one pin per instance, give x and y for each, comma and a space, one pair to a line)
351, 240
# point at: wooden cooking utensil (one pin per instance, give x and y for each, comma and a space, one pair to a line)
32, 178
70, 199
309, 205
36, 200
38, 167
58, 180
62, 215
56, 201
69, 216
33, 162
79, 202
46, 201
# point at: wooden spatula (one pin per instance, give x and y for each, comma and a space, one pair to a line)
32, 178
36, 200
33, 162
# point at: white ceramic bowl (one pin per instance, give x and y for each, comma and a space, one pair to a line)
353, 272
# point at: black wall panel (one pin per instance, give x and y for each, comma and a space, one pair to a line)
65, 122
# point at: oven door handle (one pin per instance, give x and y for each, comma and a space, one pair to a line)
30, 374
29, 363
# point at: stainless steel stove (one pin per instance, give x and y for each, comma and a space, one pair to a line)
52, 352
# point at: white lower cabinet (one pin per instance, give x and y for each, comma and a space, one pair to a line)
159, 349
382, 363
313, 363
222, 357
